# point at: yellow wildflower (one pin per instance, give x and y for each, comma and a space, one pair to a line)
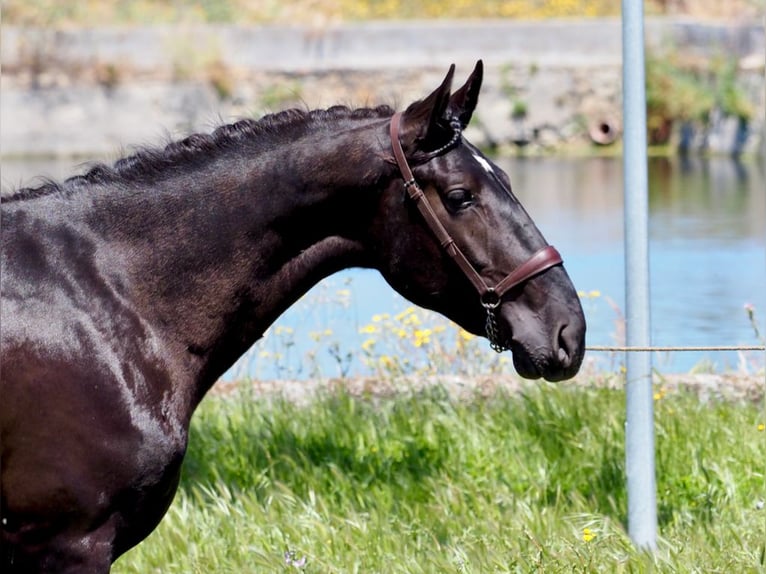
466, 336
403, 314
368, 329
592, 294
386, 362
317, 335
368, 344
761, 426
588, 534
422, 337
412, 319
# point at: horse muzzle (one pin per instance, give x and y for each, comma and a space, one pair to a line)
552, 349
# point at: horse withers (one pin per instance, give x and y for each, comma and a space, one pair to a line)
127, 291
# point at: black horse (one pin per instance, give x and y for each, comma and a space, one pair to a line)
127, 291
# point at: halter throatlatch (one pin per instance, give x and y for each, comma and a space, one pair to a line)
489, 296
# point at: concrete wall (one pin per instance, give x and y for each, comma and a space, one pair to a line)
93, 92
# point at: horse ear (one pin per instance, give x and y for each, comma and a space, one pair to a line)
463, 102
422, 124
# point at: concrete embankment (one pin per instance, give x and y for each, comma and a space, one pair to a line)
93, 92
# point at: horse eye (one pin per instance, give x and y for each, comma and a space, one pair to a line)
457, 199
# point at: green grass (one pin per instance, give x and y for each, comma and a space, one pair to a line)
532, 482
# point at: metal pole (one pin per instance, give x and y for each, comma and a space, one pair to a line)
639, 427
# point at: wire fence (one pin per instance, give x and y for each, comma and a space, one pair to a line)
662, 348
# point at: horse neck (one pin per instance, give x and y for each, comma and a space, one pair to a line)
214, 255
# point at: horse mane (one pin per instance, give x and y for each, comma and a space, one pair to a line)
149, 162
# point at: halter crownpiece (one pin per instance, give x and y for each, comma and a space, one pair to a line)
489, 296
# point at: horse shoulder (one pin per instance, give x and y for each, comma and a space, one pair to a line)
88, 410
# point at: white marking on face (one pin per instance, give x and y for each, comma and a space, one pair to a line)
484, 163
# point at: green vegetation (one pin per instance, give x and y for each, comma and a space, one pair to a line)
423, 482
110, 12
690, 92
48, 12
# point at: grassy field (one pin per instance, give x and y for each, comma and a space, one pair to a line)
421, 482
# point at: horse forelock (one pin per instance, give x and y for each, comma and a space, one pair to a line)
194, 149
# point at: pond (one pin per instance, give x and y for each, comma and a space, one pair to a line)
707, 263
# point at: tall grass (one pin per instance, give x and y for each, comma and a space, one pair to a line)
422, 482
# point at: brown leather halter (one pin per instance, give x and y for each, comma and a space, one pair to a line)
489, 296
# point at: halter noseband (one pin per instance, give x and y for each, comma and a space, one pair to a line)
489, 296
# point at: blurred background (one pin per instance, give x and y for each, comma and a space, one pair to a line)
86, 80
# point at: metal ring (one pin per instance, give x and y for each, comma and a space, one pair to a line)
490, 300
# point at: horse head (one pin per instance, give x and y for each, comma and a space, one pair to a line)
505, 281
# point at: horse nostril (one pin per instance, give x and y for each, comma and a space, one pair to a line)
564, 353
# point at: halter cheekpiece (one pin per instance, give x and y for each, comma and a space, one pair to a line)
489, 296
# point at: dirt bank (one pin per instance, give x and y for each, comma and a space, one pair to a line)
91, 92
709, 386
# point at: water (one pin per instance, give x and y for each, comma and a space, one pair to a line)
707, 258
707, 229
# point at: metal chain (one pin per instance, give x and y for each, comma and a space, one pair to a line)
493, 333
457, 132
